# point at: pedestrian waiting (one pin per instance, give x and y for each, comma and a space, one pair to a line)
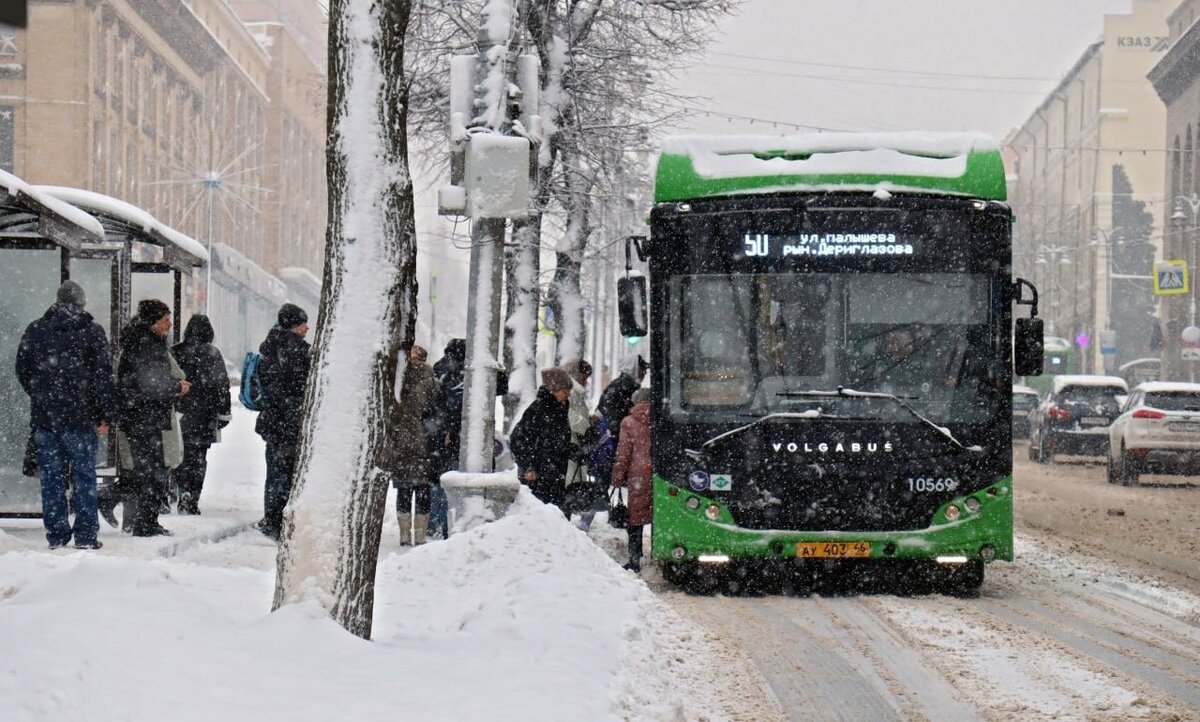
283, 372
541, 440
632, 470
148, 383
408, 460
205, 411
63, 365
443, 428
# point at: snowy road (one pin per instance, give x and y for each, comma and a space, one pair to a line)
1090, 623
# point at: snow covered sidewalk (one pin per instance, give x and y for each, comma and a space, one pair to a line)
521, 619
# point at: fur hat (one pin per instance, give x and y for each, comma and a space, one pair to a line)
72, 293
151, 310
291, 316
555, 379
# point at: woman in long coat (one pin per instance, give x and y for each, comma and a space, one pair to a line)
205, 410
632, 469
409, 462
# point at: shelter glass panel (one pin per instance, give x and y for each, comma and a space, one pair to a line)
29, 279
96, 276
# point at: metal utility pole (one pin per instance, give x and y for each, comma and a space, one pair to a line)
489, 156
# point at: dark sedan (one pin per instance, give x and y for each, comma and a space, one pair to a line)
1075, 416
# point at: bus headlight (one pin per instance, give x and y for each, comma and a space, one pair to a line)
972, 504
692, 503
953, 512
712, 511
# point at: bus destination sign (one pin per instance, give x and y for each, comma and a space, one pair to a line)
766, 245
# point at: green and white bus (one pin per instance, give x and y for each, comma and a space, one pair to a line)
832, 355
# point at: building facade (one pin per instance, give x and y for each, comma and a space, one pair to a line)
1086, 190
181, 108
1176, 78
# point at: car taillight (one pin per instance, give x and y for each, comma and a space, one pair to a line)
1148, 414
1057, 412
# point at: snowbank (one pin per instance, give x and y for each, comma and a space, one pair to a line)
521, 619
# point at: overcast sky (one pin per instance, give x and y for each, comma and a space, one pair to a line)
869, 65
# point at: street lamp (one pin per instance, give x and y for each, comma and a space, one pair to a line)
1056, 256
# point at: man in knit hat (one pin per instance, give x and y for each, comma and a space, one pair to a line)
63, 364
541, 441
284, 373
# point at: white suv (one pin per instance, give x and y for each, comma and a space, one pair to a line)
1158, 432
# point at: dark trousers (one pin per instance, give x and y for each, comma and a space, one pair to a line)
146, 482
189, 477
550, 490
56, 451
635, 543
438, 512
404, 498
281, 465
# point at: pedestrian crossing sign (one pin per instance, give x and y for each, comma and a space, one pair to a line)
1170, 278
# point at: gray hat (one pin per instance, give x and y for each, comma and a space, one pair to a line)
72, 293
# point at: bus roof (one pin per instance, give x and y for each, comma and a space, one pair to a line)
699, 166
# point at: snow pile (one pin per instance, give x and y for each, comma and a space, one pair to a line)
521, 619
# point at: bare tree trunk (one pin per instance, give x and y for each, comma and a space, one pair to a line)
521, 325
368, 308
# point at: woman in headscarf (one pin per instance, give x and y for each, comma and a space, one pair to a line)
205, 410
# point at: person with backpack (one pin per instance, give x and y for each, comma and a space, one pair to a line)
149, 383
632, 469
541, 440
63, 364
205, 410
283, 374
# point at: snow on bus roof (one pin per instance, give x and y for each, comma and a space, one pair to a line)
128, 213
13, 185
903, 154
1168, 387
1063, 381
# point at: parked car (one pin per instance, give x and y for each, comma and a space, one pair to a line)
1024, 400
1158, 432
1074, 417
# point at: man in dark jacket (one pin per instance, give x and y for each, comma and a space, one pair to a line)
148, 388
541, 440
205, 410
284, 374
615, 402
443, 428
63, 364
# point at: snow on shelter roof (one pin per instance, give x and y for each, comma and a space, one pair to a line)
698, 166
18, 188
157, 233
1063, 381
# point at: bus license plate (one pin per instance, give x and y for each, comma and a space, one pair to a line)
833, 550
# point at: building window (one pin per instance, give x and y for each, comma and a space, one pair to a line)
7, 130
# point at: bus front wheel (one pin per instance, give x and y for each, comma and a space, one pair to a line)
963, 580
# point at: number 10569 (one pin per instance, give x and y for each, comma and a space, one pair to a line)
932, 483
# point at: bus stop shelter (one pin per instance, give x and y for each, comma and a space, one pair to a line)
128, 255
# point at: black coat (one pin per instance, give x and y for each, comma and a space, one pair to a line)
284, 373
146, 387
206, 407
541, 441
63, 364
443, 416
616, 401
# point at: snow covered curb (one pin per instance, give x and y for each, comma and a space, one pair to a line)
477, 498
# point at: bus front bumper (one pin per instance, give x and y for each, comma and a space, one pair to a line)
689, 526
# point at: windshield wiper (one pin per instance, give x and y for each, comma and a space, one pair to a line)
845, 393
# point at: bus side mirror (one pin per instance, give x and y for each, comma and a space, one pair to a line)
631, 305
1027, 347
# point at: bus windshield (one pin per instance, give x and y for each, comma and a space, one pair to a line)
744, 344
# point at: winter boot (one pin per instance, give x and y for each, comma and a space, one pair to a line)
405, 521
422, 520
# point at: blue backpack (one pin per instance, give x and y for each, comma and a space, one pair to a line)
252, 393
